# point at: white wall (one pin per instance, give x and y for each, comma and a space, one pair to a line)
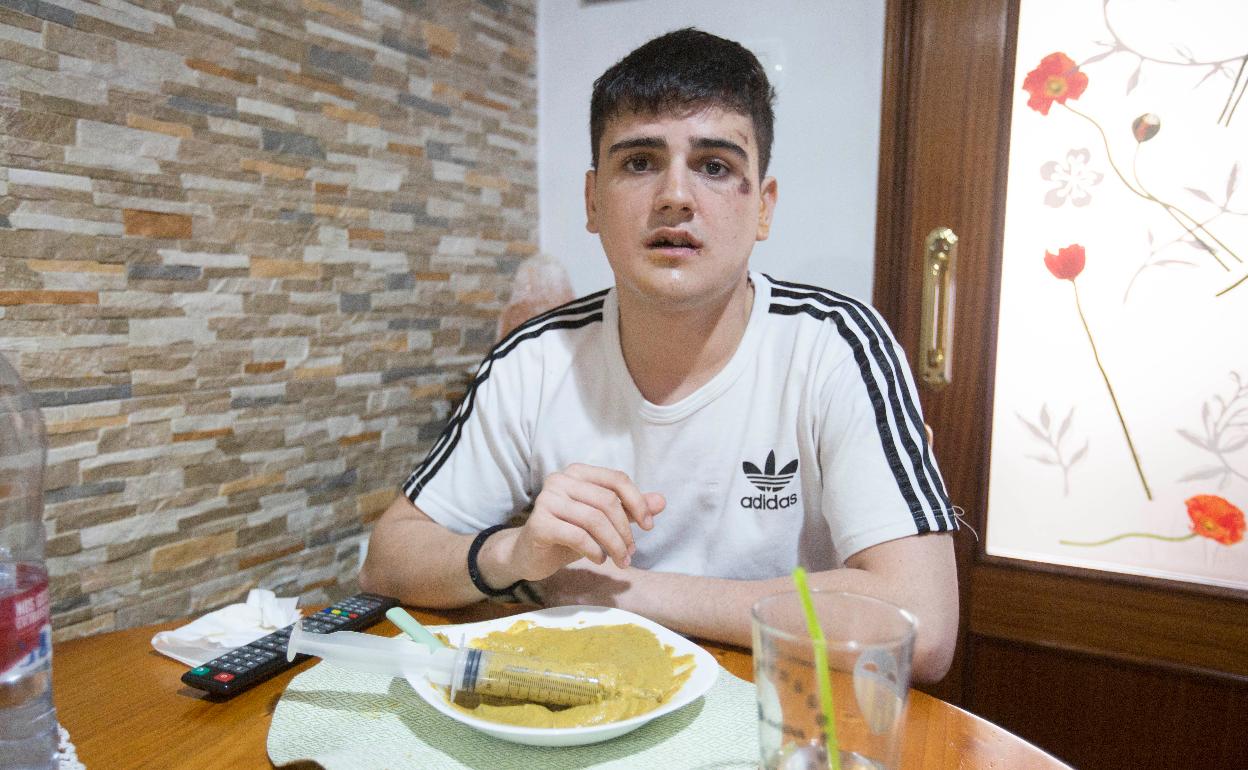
826, 150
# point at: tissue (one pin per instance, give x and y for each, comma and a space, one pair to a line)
225, 629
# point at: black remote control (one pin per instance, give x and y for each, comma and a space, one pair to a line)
237, 670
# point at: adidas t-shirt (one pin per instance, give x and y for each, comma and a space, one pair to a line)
807, 447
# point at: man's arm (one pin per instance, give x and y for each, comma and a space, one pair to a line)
917, 573
582, 512
417, 560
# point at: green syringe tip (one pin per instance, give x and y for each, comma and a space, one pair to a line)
409, 625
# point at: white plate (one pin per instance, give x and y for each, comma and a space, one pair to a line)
706, 669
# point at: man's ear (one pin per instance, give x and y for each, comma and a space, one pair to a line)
766, 207
591, 207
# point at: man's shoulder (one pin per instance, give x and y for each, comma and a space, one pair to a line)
554, 325
833, 312
805, 297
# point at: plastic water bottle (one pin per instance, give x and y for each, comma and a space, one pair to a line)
28, 728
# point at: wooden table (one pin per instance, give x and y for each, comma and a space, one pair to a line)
125, 707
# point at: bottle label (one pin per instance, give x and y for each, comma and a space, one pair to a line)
25, 630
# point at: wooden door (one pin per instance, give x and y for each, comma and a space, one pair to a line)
1102, 670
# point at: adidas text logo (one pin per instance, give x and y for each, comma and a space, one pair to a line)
768, 480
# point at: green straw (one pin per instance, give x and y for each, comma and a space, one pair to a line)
408, 625
821, 668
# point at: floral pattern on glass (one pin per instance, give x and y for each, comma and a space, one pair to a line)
1128, 151
1074, 179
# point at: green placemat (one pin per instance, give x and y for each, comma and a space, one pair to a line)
347, 721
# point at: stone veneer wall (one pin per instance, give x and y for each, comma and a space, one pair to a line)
248, 251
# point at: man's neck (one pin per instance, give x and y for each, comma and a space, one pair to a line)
671, 353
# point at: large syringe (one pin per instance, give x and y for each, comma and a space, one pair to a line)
463, 669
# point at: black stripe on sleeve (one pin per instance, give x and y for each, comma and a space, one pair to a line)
569, 316
897, 401
903, 384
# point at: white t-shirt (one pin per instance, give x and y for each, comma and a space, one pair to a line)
807, 447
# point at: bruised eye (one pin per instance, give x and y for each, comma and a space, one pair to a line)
715, 168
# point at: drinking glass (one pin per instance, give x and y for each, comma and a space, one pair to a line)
868, 645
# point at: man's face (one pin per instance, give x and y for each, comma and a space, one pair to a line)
677, 203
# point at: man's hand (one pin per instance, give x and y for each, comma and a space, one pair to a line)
582, 511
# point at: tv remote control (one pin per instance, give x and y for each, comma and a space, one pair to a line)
227, 675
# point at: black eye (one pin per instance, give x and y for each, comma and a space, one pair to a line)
715, 168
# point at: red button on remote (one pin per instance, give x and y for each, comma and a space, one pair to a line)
353, 615
224, 676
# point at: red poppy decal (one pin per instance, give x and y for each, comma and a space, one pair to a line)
1067, 263
1056, 79
1215, 518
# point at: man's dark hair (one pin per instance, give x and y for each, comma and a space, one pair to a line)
686, 70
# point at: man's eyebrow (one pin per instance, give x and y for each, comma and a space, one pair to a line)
707, 143
647, 142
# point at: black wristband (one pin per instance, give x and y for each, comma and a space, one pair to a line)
474, 571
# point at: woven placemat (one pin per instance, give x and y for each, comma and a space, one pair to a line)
342, 720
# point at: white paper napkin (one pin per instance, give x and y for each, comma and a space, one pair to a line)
217, 632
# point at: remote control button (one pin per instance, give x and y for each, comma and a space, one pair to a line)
224, 677
200, 670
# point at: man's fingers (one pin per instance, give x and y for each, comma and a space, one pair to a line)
606, 501
592, 521
568, 535
655, 504
618, 482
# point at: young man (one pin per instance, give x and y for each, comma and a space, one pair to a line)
686, 438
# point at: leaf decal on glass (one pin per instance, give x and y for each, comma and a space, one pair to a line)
1204, 196
1197, 440
1223, 433
1202, 474
1236, 444
1055, 453
1035, 431
1061, 432
1135, 79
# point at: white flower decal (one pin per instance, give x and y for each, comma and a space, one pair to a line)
1074, 179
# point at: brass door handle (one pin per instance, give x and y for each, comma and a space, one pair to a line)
936, 330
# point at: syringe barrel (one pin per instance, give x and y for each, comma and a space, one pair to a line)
521, 678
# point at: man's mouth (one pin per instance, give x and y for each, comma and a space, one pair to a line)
673, 240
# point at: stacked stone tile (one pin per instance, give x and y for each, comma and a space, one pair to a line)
249, 252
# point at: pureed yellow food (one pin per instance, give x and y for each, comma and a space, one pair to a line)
647, 671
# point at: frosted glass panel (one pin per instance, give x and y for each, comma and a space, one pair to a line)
1120, 418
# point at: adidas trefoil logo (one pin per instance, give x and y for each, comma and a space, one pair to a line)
768, 480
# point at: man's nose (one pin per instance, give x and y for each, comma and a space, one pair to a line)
674, 193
